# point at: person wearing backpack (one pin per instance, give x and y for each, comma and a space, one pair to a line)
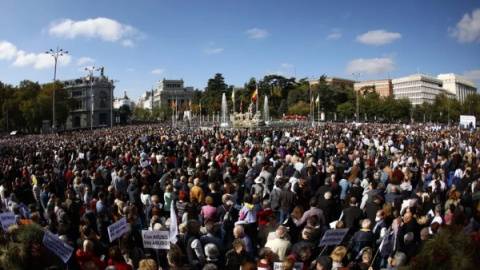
275, 197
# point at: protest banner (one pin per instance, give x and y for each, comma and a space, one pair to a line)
57, 246
333, 237
296, 266
117, 229
7, 219
156, 239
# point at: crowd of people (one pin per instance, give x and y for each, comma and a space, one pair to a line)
246, 198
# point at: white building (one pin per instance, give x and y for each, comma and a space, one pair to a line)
146, 100
172, 91
125, 101
457, 85
419, 88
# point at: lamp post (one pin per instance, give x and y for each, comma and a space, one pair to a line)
57, 53
90, 78
356, 75
112, 99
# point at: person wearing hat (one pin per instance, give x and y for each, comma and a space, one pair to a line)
259, 187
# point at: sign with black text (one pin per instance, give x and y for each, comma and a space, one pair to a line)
7, 219
333, 237
117, 229
57, 246
156, 239
296, 266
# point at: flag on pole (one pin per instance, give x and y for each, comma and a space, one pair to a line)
311, 102
233, 95
255, 95
317, 100
173, 224
173, 105
240, 105
190, 105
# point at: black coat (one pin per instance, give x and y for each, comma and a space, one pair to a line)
352, 216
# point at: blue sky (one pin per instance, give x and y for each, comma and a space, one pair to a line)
141, 42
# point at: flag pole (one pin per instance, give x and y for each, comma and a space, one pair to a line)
318, 108
233, 101
256, 104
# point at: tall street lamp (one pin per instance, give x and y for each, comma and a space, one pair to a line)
90, 77
57, 53
356, 75
112, 100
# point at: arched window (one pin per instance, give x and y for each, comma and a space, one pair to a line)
102, 98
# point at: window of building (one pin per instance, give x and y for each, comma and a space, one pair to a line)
77, 93
78, 105
102, 98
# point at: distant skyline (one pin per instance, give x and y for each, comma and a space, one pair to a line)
141, 42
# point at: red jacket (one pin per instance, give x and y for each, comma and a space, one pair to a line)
83, 257
120, 265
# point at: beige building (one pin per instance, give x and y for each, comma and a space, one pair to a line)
383, 87
419, 88
339, 82
169, 91
457, 85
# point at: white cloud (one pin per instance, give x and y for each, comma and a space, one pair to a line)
20, 58
473, 75
7, 50
84, 60
103, 28
256, 33
378, 37
370, 66
127, 43
39, 61
213, 50
286, 65
157, 71
336, 34
468, 28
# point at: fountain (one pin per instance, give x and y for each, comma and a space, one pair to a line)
224, 112
266, 114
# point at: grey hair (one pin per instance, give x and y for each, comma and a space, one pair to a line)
211, 251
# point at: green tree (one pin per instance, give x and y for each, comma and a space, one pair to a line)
299, 108
346, 110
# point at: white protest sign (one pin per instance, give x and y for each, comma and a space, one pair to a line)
296, 266
7, 219
156, 239
57, 246
333, 237
117, 229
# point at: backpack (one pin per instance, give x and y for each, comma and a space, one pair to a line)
274, 200
227, 218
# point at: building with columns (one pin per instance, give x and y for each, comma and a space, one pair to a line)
169, 91
457, 85
92, 102
383, 87
419, 88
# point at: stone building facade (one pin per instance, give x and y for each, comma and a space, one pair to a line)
92, 99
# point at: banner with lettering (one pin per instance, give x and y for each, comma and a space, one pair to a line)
156, 239
7, 219
57, 246
117, 229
